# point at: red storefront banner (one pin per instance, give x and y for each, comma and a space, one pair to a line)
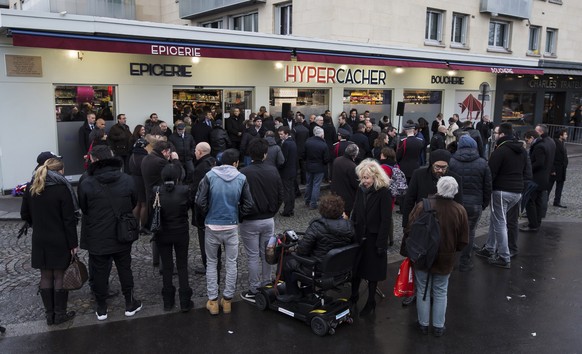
498, 69
134, 46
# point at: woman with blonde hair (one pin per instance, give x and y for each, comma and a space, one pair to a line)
50, 206
371, 215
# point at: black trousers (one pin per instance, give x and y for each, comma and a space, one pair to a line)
534, 208
512, 222
559, 188
289, 194
102, 268
181, 250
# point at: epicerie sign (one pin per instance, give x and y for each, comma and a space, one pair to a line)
168, 70
173, 50
329, 75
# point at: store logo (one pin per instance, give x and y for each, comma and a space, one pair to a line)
329, 75
168, 70
502, 70
448, 80
174, 50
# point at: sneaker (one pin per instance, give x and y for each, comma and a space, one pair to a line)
438, 331
484, 252
226, 305
212, 307
499, 262
133, 309
466, 266
101, 313
423, 329
248, 296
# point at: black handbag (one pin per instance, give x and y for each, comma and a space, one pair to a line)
127, 224
75, 275
156, 223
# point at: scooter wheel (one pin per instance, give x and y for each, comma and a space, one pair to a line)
319, 326
261, 301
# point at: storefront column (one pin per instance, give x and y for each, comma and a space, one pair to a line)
336, 103
398, 96
261, 97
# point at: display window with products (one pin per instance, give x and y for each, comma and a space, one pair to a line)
73, 102
307, 101
377, 102
422, 103
217, 100
518, 108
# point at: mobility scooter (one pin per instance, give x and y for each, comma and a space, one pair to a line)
322, 312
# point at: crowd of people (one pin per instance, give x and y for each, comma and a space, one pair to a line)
230, 178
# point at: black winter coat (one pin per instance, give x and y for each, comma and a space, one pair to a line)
174, 203
219, 140
345, 181
423, 184
54, 223
289, 167
266, 189
151, 168
560, 161
508, 165
184, 146
362, 141
84, 140
542, 154
105, 187
301, 135
323, 235
476, 176
235, 125
201, 167
408, 155
119, 139
201, 132
437, 142
372, 216
316, 155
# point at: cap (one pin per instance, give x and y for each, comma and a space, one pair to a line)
409, 126
181, 126
45, 155
258, 118
343, 132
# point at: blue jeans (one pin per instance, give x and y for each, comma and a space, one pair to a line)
228, 238
438, 285
254, 235
497, 241
312, 188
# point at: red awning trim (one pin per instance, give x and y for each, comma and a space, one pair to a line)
497, 69
135, 46
363, 60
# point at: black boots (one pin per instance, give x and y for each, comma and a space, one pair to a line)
186, 304
61, 297
168, 295
47, 296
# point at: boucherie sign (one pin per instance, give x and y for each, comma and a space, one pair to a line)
306, 74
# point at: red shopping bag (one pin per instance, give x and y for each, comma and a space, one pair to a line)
404, 286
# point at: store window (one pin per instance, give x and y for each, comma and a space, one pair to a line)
213, 24
434, 27
216, 100
284, 19
459, 31
422, 103
72, 103
533, 47
498, 35
306, 101
247, 22
377, 102
551, 42
518, 108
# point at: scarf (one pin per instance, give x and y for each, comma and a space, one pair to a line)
53, 178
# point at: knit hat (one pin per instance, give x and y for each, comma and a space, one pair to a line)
439, 155
466, 142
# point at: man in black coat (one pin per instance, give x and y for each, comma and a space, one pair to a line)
438, 139
184, 146
541, 154
204, 163
408, 153
119, 139
288, 171
360, 139
84, 131
258, 226
201, 129
345, 181
558, 174
301, 136
316, 159
104, 190
234, 126
219, 140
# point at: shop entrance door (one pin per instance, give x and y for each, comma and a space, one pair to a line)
554, 104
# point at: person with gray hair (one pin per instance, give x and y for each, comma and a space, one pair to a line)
316, 156
345, 181
454, 236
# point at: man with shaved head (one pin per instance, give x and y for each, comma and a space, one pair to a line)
204, 162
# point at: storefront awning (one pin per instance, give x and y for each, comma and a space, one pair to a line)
497, 69
349, 59
144, 46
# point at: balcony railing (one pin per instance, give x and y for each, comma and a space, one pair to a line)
190, 9
103, 8
511, 8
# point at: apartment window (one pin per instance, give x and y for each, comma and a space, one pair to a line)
551, 39
213, 24
247, 22
459, 31
434, 26
533, 46
284, 19
499, 35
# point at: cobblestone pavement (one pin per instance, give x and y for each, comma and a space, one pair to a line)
20, 304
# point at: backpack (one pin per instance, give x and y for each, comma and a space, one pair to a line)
398, 187
422, 244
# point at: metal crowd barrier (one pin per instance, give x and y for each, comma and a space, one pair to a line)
574, 133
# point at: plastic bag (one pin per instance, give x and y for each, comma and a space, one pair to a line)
404, 286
